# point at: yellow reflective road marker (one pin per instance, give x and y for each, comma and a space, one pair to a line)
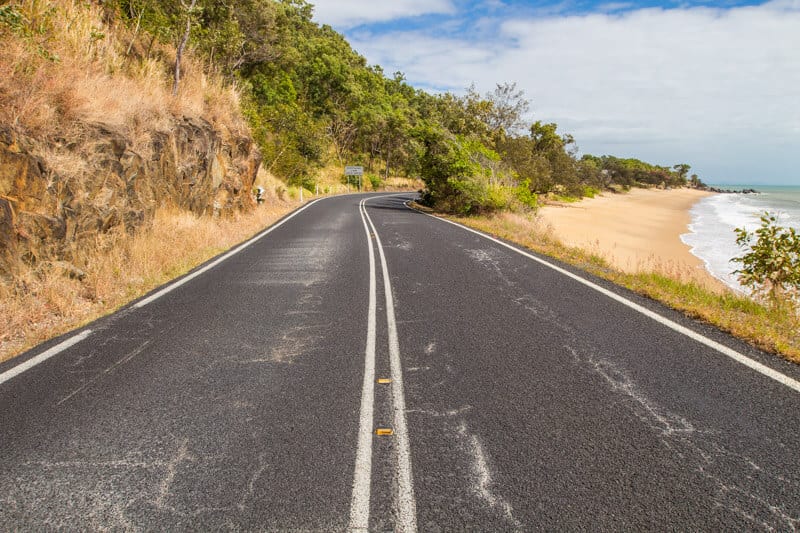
383, 432
384, 381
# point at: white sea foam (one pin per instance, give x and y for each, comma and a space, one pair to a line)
715, 218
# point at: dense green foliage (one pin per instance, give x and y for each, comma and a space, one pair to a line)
772, 264
313, 101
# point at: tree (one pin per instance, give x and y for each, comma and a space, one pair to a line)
341, 131
457, 171
555, 151
257, 36
772, 266
182, 45
544, 137
682, 170
508, 108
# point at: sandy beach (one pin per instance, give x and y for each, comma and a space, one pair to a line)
635, 231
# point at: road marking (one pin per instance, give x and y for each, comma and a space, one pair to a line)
406, 504
384, 381
44, 356
359, 503
733, 354
55, 350
384, 432
169, 288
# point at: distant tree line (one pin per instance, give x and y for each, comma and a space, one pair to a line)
312, 101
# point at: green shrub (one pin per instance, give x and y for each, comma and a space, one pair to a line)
474, 195
497, 198
303, 180
590, 192
525, 196
772, 265
375, 181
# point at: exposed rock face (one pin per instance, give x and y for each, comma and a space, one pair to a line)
46, 213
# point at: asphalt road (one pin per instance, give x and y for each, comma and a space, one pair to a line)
517, 398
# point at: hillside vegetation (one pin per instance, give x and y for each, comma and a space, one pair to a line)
103, 148
66, 64
312, 101
113, 178
109, 184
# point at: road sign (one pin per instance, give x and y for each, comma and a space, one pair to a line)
353, 171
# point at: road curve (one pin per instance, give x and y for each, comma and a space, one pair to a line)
509, 396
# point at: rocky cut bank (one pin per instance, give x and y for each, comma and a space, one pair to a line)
58, 196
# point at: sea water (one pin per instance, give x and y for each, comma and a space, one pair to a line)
714, 219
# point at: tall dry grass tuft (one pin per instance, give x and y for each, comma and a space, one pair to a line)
118, 267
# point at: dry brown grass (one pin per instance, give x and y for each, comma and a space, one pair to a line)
770, 329
65, 66
330, 181
119, 268
404, 184
64, 71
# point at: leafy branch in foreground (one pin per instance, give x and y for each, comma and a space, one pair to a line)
772, 266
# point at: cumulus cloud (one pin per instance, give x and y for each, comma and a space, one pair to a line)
350, 13
717, 88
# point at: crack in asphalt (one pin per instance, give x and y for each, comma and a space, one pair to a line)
695, 445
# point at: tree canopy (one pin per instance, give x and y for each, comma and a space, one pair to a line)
312, 101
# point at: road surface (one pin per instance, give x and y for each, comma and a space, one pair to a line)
510, 395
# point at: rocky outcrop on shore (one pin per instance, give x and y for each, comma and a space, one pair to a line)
730, 191
56, 196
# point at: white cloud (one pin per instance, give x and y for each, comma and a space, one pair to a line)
350, 13
716, 88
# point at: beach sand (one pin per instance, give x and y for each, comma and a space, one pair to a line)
635, 231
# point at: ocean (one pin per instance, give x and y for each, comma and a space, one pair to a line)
711, 233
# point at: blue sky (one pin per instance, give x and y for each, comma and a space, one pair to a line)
466, 13
712, 84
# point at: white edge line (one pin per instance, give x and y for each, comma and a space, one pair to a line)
733, 354
362, 477
169, 288
72, 341
407, 506
44, 356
